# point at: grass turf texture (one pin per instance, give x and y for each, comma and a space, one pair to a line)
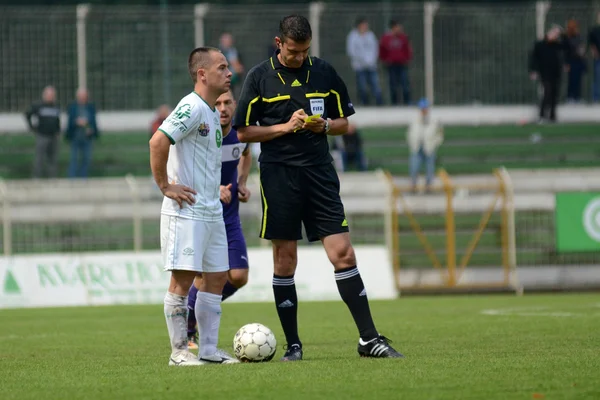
453, 351
467, 149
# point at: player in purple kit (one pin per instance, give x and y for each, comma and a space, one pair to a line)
236, 164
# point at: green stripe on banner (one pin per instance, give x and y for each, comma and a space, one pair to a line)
577, 221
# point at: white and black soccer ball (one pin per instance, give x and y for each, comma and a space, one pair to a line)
254, 343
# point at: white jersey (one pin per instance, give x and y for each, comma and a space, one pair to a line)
194, 129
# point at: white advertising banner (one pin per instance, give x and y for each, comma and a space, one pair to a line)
51, 280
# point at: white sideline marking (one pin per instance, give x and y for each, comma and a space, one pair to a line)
529, 313
541, 312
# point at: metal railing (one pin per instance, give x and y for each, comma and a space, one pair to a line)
112, 214
134, 58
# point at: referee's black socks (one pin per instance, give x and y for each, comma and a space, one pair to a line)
286, 301
354, 294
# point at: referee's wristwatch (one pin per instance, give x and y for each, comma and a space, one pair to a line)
327, 127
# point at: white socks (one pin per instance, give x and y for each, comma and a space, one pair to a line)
176, 316
208, 315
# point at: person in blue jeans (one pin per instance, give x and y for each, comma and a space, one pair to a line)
362, 49
424, 137
575, 60
81, 132
594, 44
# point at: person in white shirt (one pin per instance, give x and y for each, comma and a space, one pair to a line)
362, 48
424, 137
185, 157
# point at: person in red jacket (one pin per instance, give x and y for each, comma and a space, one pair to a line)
395, 52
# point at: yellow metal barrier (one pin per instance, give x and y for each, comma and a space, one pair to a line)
451, 276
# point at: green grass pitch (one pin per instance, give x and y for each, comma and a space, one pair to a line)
468, 347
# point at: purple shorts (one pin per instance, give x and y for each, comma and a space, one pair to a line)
238, 254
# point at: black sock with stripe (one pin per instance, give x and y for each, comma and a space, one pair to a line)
286, 301
354, 294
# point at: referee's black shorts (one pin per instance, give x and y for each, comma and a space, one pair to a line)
295, 195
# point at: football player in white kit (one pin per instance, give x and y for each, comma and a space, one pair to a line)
185, 157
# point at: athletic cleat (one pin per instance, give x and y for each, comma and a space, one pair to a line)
220, 357
377, 348
292, 353
193, 341
223, 354
184, 359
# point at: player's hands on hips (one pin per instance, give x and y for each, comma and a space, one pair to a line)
243, 193
226, 194
297, 120
180, 193
316, 125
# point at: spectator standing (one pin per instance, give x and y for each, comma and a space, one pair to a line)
43, 118
575, 61
546, 63
395, 52
81, 131
226, 45
425, 135
362, 49
594, 44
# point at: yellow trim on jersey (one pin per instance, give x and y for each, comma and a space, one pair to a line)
309, 60
281, 78
272, 65
307, 76
263, 228
339, 103
276, 98
254, 100
309, 95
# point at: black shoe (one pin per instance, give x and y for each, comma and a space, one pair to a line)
292, 353
378, 348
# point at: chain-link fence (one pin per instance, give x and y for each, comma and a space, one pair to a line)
135, 58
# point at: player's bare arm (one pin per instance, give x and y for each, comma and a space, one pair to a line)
254, 133
338, 126
159, 154
243, 172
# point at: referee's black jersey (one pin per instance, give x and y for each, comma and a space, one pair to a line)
273, 92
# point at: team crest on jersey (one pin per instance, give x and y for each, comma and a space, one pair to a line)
203, 129
183, 112
219, 138
235, 153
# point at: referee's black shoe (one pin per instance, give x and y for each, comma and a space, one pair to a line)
377, 348
292, 353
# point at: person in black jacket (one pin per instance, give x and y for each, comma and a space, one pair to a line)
547, 63
46, 126
353, 149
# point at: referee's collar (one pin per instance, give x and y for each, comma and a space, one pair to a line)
276, 64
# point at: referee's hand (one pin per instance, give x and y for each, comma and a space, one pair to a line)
180, 193
297, 120
316, 125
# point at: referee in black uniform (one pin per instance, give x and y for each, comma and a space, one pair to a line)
298, 181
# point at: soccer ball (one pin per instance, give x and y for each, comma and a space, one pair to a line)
254, 343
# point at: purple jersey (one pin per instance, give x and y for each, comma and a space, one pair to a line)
232, 151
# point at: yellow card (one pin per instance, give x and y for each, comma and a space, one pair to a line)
312, 117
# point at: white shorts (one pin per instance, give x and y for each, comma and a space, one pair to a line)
192, 245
